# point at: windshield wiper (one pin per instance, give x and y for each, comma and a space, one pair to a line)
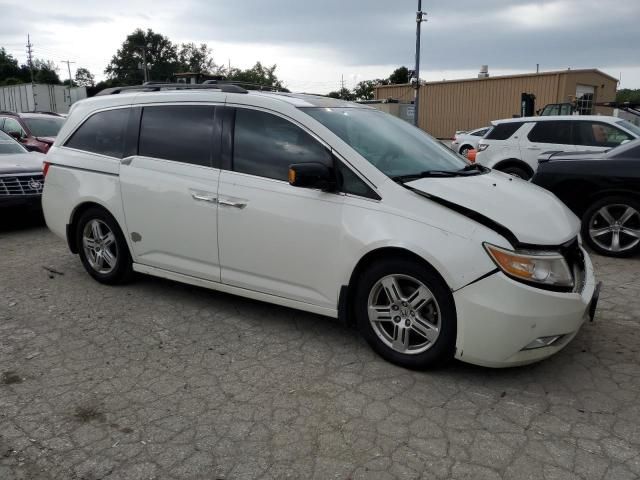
471, 169
425, 174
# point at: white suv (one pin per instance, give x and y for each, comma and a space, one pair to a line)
514, 145
325, 206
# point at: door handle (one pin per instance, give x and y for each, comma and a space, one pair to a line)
229, 203
204, 198
534, 148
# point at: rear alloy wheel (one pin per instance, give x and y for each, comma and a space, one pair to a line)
611, 226
517, 172
102, 248
406, 313
464, 151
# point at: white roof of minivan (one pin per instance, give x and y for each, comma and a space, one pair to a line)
547, 118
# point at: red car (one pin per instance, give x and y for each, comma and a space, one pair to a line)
35, 130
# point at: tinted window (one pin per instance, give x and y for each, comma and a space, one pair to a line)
596, 134
183, 133
551, 132
44, 127
350, 182
502, 131
480, 133
265, 145
102, 133
13, 126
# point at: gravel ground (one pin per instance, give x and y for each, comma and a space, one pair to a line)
161, 380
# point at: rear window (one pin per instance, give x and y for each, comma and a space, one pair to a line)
44, 127
558, 132
102, 133
503, 131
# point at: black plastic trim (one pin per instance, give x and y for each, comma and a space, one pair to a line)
82, 169
343, 304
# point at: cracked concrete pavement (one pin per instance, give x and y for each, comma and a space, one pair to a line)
161, 380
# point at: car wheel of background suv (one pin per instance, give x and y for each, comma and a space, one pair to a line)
464, 150
517, 172
102, 247
406, 313
611, 226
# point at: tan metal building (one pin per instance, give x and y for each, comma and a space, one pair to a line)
452, 105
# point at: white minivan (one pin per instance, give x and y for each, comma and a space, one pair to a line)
514, 145
322, 205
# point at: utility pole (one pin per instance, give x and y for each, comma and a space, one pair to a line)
342, 86
70, 79
420, 17
144, 64
30, 56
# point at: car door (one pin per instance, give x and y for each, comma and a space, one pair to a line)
546, 136
169, 190
275, 238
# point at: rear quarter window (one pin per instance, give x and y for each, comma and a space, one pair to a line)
503, 131
102, 133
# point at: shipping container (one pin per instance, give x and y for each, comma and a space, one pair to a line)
30, 97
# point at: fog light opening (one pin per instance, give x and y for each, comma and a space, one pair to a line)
541, 342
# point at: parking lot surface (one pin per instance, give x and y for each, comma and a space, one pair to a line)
161, 380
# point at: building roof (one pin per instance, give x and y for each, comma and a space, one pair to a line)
502, 77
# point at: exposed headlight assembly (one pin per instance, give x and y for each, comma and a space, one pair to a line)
546, 268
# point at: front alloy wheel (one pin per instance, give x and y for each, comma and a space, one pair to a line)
404, 314
405, 311
612, 226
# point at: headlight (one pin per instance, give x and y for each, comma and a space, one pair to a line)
482, 147
546, 268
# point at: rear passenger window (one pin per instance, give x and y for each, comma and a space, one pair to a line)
597, 134
265, 145
102, 133
183, 133
551, 132
503, 131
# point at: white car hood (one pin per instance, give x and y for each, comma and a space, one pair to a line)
534, 215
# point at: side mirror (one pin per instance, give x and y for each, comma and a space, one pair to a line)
16, 135
312, 175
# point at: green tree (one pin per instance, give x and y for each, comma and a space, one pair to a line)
399, 75
257, 75
194, 58
628, 95
8, 67
365, 89
126, 65
45, 71
343, 93
84, 78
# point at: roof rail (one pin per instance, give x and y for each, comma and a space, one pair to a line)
44, 112
157, 86
255, 86
7, 112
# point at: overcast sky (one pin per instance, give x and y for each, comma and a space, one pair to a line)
315, 43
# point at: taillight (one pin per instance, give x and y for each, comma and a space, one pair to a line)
45, 168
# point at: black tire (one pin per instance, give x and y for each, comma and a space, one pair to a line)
122, 271
616, 205
443, 348
464, 150
517, 172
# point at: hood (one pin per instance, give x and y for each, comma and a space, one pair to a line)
48, 140
21, 163
534, 215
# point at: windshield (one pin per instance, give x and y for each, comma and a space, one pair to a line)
394, 146
630, 126
9, 146
44, 127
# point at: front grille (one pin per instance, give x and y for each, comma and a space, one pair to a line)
29, 184
574, 257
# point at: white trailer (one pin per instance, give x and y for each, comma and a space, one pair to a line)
30, 97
